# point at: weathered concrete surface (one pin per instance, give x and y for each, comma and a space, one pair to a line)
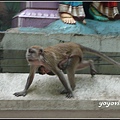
60, 114
21, 41
44, 93
43, 98
101, 36
14, 45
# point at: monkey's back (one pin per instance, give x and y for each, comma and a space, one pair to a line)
61, 51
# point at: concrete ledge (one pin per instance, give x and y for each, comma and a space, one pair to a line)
13, 47
21, 41
60, 114
99, 93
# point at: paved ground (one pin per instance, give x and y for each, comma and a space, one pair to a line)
98, 93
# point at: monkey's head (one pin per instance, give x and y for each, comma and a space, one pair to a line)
34, 54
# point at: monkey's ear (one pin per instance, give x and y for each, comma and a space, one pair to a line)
41, 51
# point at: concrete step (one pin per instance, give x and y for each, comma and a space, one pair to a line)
102, 92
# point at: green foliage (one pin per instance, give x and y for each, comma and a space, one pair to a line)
12, 8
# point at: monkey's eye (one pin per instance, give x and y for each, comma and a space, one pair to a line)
31, 51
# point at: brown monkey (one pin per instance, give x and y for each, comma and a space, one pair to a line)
50, 57
62, 65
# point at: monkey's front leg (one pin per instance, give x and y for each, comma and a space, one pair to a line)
28, 83
24, 92
65, 82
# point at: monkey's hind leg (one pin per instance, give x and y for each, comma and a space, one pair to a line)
65, 82
71, 72
92, 68
64, 63
84, 64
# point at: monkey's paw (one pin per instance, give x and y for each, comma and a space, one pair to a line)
22, 93
93, 72
69, 95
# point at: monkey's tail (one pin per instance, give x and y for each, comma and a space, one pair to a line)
97, 53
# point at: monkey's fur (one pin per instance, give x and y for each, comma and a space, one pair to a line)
62, 65
50, 57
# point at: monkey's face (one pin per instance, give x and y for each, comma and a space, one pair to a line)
34, 54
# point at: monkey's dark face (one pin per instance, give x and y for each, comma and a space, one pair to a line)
34, 54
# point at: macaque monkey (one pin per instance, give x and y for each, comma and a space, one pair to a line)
62, 65
53, 57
